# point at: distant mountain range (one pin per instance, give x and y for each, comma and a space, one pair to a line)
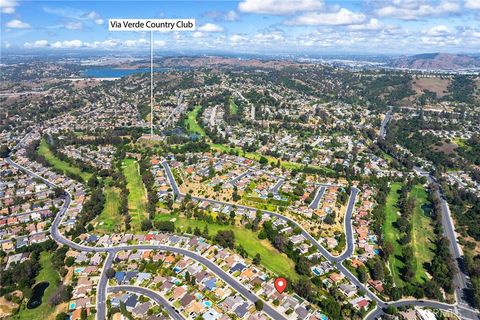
437, 61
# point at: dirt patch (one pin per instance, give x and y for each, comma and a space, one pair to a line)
63, 307
68, 276
8, 307
447, 148
437, 85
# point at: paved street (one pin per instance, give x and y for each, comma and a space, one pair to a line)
386, 120
277, 186
102, 286
318, 196
467, 313
172, 312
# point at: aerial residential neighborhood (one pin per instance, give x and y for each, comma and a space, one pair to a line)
223, 160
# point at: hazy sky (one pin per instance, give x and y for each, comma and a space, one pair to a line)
250, 26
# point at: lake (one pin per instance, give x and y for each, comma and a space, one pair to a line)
37, 295
109, 72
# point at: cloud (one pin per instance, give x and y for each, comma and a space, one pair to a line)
236, 38
37, 44
76, 14
412, 10
68, 44
372, 25
279, 7
8, 10
231, 16
342, 17
269, 37
472, 4
159, 43
95, 17
198, 34
136, 43
17, 24
438, 31
210, 27
106, 44
8, 6
74, 25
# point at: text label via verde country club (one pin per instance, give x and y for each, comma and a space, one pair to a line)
151, 25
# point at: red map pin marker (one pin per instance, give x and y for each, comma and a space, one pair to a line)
280, 284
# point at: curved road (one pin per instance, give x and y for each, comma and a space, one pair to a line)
335, 260
172, 312
101, 296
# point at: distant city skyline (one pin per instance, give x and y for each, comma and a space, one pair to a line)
249, 26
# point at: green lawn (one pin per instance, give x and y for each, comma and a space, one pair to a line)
387, 157
233, 107
110, 216
459, 142
271, 258
48, 273
423, 234
191, 122
391, 233
45, 151
137, 197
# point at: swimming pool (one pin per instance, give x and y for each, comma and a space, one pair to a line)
79, 270
315, 270
323, 317
207, 304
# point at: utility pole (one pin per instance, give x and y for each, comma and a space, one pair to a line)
151, 84
151, 25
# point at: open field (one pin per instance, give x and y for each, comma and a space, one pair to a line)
392, 234
110, 217
137, 197
270, 258
45, 151
422, 234
436, 85
48, 273
191, 122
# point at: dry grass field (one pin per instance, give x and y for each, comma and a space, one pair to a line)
437, 85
